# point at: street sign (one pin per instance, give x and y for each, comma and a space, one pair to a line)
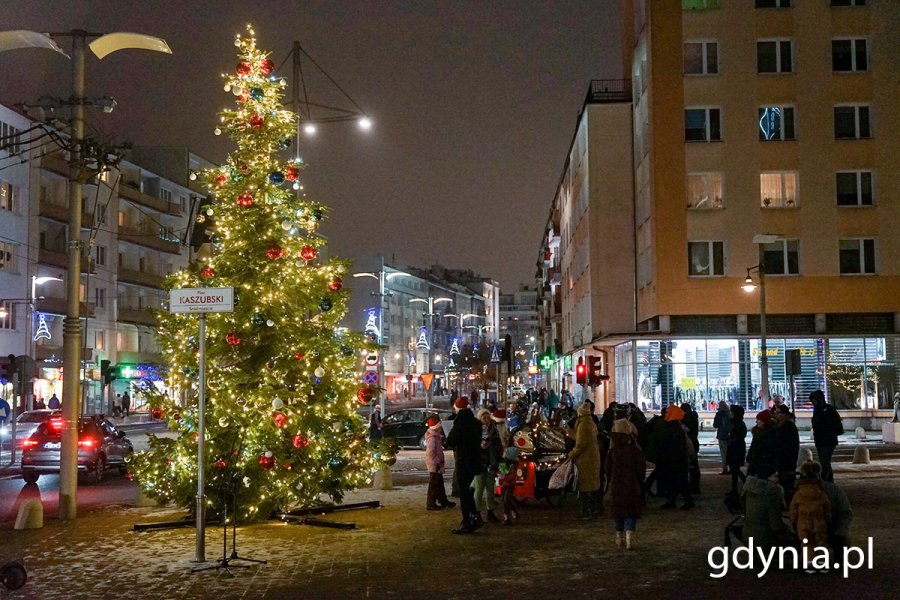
371, 377
495, 356
371, 359
201, 300
426, 379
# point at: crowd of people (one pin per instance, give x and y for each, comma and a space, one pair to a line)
610, 453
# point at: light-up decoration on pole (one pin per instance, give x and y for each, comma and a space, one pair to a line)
423, 340
43, 332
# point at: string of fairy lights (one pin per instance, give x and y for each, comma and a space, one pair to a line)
282, 376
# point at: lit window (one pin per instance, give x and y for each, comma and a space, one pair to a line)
857, 257
704, 190
854, 188
701, 58
706, 259
702, 125
781, 257
7, 257
778, 190
852, 122
8, 196
849, 55
774, 56
776, 123
9, 321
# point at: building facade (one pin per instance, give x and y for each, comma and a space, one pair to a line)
520, 320
766, 146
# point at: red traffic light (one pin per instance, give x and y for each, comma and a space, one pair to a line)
580, 372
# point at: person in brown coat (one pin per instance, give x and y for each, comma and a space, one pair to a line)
625, 468
810, 507
586, 456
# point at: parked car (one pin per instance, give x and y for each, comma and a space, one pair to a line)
100, 447
26, 424
408, 426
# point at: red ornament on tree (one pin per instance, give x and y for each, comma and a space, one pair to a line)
275, 252
300, 441
243, 68
220, 464
308, 252
245, 199
256, 121
291, 173
336, 284
207, 271
299, 355
280, 419
266, 461
364, 395
233, 339
221, 180
266, 66
244, 95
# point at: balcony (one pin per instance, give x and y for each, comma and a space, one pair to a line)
55, 163
130, 191
57, 306
59, 211
140, 278
608, 90
137, 316
147, 236
60, 259
175, 209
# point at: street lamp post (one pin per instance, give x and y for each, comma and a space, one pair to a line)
748, 286
431, 300
101, 47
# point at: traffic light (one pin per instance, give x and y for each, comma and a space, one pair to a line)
107, 372
9, 369
794, 366
580, 372
595, 371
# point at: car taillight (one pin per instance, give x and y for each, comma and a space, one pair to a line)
87, 443
29, 443
56, 424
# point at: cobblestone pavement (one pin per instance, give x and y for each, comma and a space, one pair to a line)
402, 551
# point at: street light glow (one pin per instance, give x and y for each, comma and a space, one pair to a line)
748, 285
309, 129
365, 123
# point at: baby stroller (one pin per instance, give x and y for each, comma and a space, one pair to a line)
13, 575
542, 450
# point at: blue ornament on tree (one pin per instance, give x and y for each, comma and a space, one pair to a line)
325, 304
276, 177
257, 93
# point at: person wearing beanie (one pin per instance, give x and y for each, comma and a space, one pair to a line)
465, 440
787, 443
499, 418
810, 508
434, 462
625, 469
737, 448
483, 483
764, 503
763, 453
586, 456
674, 454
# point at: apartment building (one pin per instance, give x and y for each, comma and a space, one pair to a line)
765, 134
519, 319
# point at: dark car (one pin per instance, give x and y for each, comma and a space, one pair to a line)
26, 424
408, 426
100, 447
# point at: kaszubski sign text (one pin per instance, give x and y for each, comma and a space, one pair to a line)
201, 300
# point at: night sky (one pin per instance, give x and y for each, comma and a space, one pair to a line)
474, 105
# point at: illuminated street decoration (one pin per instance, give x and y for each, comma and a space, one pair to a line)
770, 122
546, 362
423, 341
371, 324
454, 349
43, 332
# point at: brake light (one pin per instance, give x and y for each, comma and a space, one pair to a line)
29, 443
87, 443
56, 424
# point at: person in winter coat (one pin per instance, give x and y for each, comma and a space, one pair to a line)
763, 453
586, 456
810, 507
674, 451
649, 442
826, 426
491, 450
841, 518
722, 424
552, 404
764, 503
691, 421
737, 447
465, 440
625, 468
507, 480
434, 462
788, 441
499, 417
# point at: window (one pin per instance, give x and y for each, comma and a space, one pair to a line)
100, 297
851, 122
100, 256
101, 213
776, 123
848, 2
702, 125
704, 190
121, 218
774, 56
99, 339
8, 322
8, 196
781, 257
778, 190
857, 257
773, 3
706, 259
854, 188
701, 58
849, 55
10, 138
165, 194
7, 257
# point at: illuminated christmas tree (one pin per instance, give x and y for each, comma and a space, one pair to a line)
281, 421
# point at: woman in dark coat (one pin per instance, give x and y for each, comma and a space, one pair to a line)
625, 468
737, 447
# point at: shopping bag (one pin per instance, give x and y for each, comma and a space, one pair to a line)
560, 477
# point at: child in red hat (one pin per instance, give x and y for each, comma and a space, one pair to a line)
434, 462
